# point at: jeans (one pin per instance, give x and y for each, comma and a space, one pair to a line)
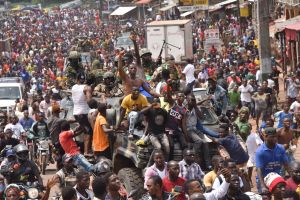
206, 131
133, 118
180, 138
80, 160
201, 146
160, 141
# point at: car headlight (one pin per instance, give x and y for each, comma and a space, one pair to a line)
33, 193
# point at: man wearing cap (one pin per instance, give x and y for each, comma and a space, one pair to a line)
276, 185
8, 140
68, 170
81, 94
270, 157
109, 87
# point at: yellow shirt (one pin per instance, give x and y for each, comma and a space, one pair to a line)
209, 178
100, 139
129, 104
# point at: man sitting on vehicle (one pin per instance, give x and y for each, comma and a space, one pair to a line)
131, 106
70, 147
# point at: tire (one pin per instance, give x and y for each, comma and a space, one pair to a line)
131, 178
43, 164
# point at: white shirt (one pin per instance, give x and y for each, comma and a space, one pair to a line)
16, 128
253, 141
79, 100
295, 107
218, 193
217, 184
43, 107
246, 92
271, 83
189, 73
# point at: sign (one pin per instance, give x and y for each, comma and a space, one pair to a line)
193, 3
200, 2
192, 8
212, 37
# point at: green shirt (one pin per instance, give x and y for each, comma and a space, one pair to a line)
244, 128
234, 98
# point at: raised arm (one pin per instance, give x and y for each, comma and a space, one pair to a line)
133, 37
121, 71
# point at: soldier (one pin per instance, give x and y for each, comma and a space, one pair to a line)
147, 62
73, 68
109, 87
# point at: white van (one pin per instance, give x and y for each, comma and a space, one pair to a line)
9, 93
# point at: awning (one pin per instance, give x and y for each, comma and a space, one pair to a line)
280, 24
122, 10
295, 27
143, 2
187, 13
291, 31
168, 7
226, 2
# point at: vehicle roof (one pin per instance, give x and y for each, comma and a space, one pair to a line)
2, 84
169, 22
11, 80
199, 89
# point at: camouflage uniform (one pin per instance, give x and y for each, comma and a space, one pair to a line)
72, 70
113, 90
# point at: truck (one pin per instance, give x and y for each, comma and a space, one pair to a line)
171, 37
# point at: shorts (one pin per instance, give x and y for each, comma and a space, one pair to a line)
84, 123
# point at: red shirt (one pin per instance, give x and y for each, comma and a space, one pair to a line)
168, 186
291, 185
67, 143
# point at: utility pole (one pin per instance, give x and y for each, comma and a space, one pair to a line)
263, 17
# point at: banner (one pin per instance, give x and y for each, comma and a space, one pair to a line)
185, 2
193, 2
200, 2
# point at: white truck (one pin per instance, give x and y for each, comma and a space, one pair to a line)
177, 35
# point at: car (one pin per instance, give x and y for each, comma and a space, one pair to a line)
9, 93
124, 42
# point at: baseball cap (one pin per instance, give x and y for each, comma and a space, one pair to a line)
270, 131
272, 180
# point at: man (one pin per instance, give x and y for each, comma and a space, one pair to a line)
81, 94
219, 97
82, 186
295, 107
8, 140
26, 121
188, 72
210, 177
270, 157
157, 119
67, 170
246, 91
293, 86
98, 186
70, 147
130, 107
293, 182
173, 183
232, 145
159, 168
45, 104
114, 188
109, 87
68, 193
244, 127
276, 185
27, 171
39, 128
189, 169
15, 127
131, 81
193, 186
287, 137
100, 136
155, 189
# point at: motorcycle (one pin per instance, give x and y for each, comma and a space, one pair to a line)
28, 190
43, 153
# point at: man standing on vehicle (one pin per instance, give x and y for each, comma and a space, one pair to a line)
81, 94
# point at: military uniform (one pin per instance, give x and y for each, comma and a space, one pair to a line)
72, 70
116, 91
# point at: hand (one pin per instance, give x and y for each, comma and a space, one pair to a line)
226, 173
51, 182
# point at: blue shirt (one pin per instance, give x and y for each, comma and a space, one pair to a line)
281, 117
270, 160
235, 150
27, 124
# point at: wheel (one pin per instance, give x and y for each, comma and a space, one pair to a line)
43, 164
131, 178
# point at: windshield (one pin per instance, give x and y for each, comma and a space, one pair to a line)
207, 116
10, 93
124, 41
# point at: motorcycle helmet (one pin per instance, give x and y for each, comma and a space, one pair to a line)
21, 152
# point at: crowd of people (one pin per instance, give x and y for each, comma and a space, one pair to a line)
155, 96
